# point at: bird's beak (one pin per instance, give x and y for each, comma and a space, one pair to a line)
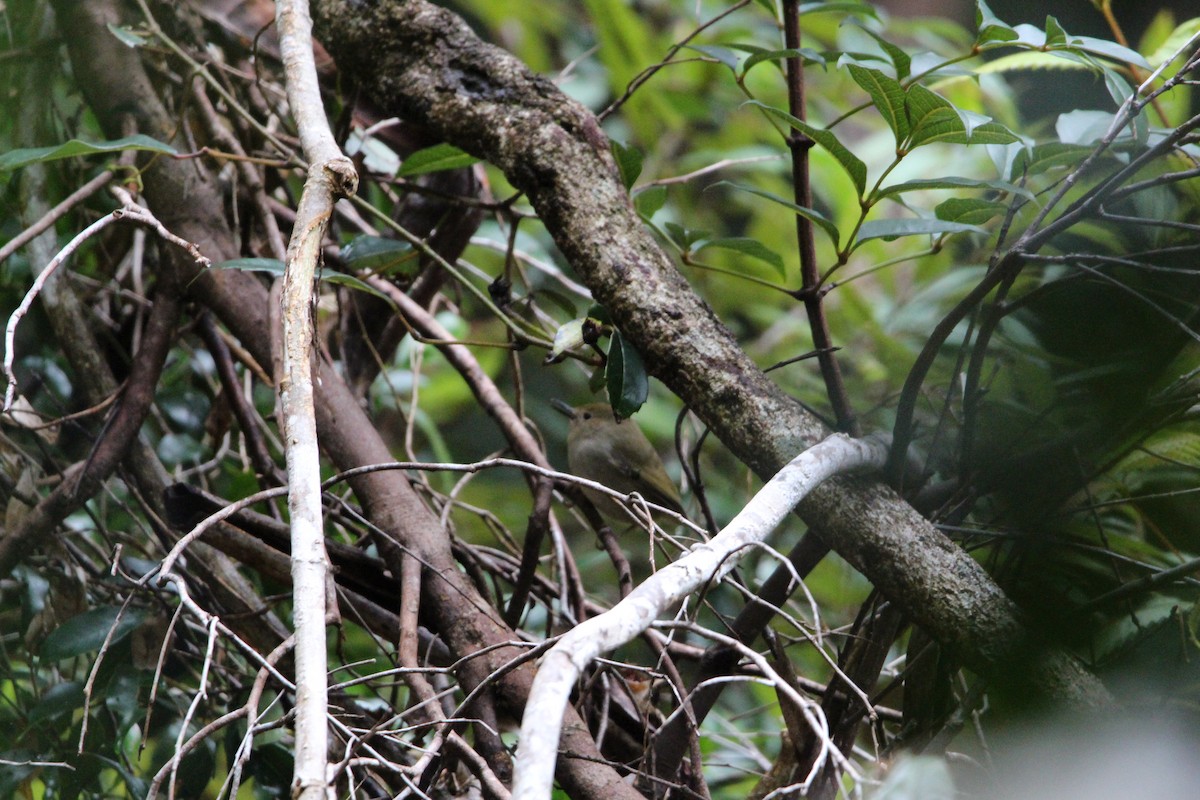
563, 408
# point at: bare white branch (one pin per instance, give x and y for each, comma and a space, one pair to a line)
563, 664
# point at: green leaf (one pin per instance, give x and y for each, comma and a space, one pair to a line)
629, 162
955, 183
901, 61
816, 217
58, 700
625, 377
934, 119
1055, 35
1107, 49
854, 167
991, 29
887, 95
1047, 156
723, 54
379, 255
15, 159
969, 210
438, 158
649, 200
838, 8
276, 267
87, 632
917, 778
889, 229
350, 282
749, 247
810, 56
684, 237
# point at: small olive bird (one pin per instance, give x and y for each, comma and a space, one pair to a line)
618, 455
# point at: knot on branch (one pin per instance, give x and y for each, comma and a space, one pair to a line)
343, 176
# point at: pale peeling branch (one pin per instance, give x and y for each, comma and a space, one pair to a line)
705, 563
330, 175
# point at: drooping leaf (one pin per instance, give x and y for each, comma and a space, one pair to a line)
889, 229
625, 377
851, 163
816, 217
901, 61
438, 158
953, 182
723, 54
15, 159
809, 55
1107, 49
749, 247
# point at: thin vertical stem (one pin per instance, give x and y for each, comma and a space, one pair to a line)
810, 292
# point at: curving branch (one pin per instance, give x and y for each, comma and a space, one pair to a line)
424, 63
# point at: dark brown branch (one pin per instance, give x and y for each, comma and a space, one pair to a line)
810, 273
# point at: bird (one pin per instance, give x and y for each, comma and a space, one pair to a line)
618, 455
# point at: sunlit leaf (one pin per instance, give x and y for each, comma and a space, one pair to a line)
568, 336
887, 95
934, 119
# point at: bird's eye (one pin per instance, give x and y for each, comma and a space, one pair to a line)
587, 415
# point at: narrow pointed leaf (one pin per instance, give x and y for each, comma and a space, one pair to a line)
854, 166
15, 159
816, 217
889, 229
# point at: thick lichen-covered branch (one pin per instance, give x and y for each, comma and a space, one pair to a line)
424, 63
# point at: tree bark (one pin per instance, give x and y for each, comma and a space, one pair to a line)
424, 63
